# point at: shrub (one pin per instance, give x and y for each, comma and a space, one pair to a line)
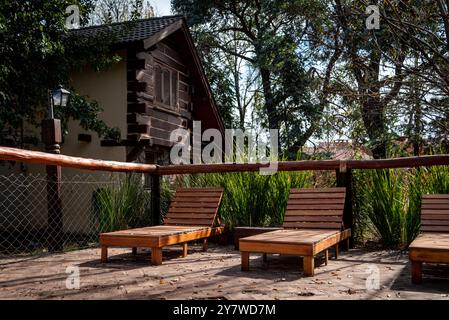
122, 206
391, 199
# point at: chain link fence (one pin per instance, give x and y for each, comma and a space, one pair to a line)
91, 203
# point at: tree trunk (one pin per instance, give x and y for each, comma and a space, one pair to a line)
273, 120
417, 126
374, 121
373, 107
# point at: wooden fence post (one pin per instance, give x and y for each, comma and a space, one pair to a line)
344, 179
51, 136
156, 199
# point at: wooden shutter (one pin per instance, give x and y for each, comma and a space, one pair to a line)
166, 87
158, 83
174, 90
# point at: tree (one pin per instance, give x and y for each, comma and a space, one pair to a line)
37, 54
275, 38
110, 11
423, 26
399, 69
366, 55
219, 78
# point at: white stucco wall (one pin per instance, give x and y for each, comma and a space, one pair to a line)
109, 88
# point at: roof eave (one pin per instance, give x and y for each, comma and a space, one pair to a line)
204, 80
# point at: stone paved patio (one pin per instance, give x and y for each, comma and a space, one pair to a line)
216, 274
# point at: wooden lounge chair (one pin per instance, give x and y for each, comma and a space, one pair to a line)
191, 216
432, 245
313, 223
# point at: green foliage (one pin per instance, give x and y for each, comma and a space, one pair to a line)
166, 195
252, 199
435, 179
126, 204
390, 200
270, 38
122, 206
37, 54
386, 201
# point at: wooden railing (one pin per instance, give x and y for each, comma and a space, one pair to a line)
343, 169
36, 157
43, 158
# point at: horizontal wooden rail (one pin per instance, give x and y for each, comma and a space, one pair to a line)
43, 158
405, 162
241, 167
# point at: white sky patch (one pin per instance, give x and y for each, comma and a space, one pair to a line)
162, 7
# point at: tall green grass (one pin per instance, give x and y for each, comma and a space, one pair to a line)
384, 198
127, 204
391, 199
122, 206
251, 199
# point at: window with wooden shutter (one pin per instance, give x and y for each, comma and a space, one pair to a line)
166, 86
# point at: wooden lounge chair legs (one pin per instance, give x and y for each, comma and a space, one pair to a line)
337, 251
308, 263
104, 254
326, 256
308, 266
156, 256
245, 261
184, 249
156, 253
416, 272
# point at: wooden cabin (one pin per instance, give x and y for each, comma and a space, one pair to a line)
158, 86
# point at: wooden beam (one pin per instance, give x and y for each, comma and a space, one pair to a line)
240, 167
36, 157
344, 179
138, 128
84, 137
158, 36
26, 156
136, 64
156, 199
110, 143
137, 86
137, 108
406, 162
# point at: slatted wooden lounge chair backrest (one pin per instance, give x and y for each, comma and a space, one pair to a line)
435, 213
194, 207
320, 208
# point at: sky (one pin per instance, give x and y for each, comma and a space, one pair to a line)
162, 7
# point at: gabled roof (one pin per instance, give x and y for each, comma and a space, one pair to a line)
149, 32
131, 31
